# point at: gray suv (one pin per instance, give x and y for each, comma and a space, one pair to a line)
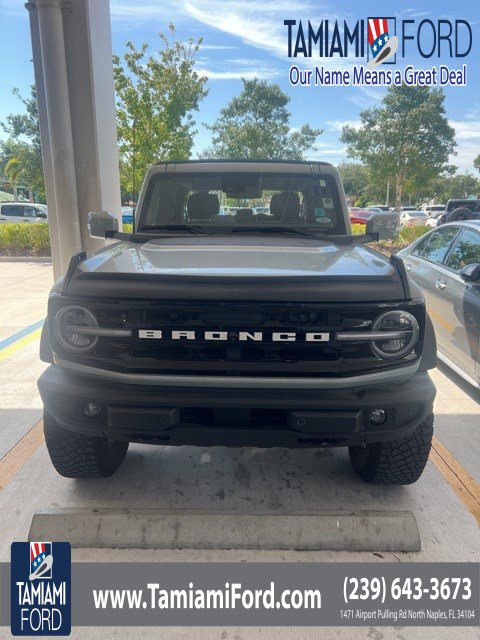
265, 329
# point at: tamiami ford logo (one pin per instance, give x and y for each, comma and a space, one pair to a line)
373, 44
40, 587
382, 45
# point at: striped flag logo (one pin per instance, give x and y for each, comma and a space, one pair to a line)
41, 560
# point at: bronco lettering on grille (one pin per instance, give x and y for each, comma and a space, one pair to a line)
241, 336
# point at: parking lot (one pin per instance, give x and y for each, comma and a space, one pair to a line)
445, 501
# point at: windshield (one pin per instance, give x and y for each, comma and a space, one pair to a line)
250, 199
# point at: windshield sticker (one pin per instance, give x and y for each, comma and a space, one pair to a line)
327, 203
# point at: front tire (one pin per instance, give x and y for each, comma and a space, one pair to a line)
75, 455
396, 462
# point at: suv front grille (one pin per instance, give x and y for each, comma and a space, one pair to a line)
234, 357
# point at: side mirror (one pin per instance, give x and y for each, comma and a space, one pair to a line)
101, 223
384, 224
41, 215
471, 273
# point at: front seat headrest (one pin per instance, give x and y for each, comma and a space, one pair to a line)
202, 205
285, 205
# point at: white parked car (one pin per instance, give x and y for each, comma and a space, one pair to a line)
413, 219
433, 209
434, 218
11, 212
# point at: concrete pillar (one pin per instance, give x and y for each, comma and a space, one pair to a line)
71, 43
92, 105
54, 67
44, 137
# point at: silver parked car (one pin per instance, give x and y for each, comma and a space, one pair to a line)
445, 263
23, 212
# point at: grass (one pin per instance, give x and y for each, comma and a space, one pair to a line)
23, 239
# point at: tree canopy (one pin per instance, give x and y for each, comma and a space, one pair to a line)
256, 124
23, 144
155, 96
460, 185
406, 140
476, 162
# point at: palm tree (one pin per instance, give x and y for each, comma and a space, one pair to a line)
13, 170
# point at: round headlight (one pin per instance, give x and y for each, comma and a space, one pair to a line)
75, 329
404, 329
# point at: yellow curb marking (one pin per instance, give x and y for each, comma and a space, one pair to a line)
461, 482
14, 460
19, 344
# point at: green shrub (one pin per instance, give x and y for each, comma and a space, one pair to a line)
405, 237
409, 234
21, 239
24, 239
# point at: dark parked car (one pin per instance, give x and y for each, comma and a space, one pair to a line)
382, 207
445, 263
460, 209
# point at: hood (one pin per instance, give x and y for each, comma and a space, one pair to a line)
238, 267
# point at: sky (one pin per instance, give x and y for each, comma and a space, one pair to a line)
247, 38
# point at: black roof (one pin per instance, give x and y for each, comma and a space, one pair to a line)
259, 160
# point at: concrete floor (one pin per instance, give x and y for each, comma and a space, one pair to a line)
24, 288
236, 479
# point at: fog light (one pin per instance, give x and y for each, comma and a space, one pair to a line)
92, 409
377, 417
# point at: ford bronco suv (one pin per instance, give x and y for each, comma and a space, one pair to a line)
240, 311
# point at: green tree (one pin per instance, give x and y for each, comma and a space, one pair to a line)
156, 95
356, 180
406, 140
476, 162
21, 126
461, 185
256, 124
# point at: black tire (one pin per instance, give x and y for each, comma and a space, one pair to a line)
75, 455
399, 461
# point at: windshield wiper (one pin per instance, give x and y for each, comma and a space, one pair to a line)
189, 228
282, 230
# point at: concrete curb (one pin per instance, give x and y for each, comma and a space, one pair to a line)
46, 259
205, 529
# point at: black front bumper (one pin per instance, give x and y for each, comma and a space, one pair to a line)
235, 417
